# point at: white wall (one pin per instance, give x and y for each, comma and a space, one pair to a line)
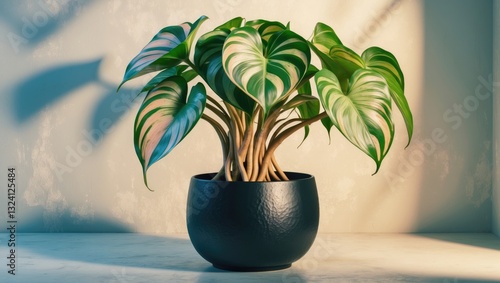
60, 68
496, 119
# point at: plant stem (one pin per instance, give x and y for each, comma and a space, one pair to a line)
192, 65
249, 159
280, 138
228, 162
236, 140
219, 174
235, 118
282, 126
282, 175
260, 144
272, 174
224, 139
217, 104
223, 116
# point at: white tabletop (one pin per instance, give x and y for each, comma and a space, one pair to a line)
131, 257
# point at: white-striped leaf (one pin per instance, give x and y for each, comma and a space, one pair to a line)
384, 63
208, 60
342, 61
363, 114
165, 117
334, 56
169, 47
265, 28
170, 72
231, 24
311, 71
267, 74
324, 38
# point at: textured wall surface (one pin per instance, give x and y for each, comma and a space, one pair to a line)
496, 118
69, 135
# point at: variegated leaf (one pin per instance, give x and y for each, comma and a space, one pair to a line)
231, 24
208, 59
265, 28
168, 48
328, 124
363, 114
165, 118
311, 71
270, 74
342, 61
334, 56
162, 76
307, 105
384, 63
324, 38
347, 60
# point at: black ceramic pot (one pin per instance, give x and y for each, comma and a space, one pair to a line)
252, 226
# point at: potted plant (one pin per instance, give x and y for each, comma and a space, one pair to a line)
252, 215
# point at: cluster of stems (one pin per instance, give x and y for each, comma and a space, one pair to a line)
249, 142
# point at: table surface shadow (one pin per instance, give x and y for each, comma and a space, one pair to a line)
129, 257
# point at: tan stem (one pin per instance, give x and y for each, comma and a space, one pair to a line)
282, 175
241, 166
228, 163
273, 144
235, 118
260, 143
247, 139
219, 174
216, 103
272, 174
222, 115
220, 132
268, 178
282, 126
249, 159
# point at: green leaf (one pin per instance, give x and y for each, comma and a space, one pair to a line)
208, 60
162, 76
265, 28
268, 75
328, 124
300, 100
363, 114
165, 118
346, 60
189, 75
306, 104
384, 63
311, 71
342, 61
231, 24
334, 56
308, 110
310, 107
168, 48
324, 38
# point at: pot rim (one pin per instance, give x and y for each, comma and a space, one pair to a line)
204, 177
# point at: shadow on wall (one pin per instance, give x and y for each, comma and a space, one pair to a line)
31, 22
37, 92
68, 222
456, 177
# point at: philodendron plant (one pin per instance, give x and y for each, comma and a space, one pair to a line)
261, 75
